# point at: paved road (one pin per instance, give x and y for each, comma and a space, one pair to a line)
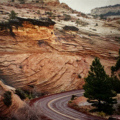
55, 107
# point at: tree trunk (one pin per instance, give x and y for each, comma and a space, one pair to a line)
99, 105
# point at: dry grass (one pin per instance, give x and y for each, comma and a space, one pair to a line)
28, 113
86, 109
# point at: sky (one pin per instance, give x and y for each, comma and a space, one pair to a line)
85, 6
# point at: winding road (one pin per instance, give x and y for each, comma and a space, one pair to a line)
55, 107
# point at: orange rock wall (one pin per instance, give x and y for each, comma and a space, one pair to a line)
35, 32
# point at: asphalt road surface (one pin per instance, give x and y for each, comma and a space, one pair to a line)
55, 107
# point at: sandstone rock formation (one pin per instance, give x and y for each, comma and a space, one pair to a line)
30, 57
49, 71
37, 53
16, 102
105, 10
30, 1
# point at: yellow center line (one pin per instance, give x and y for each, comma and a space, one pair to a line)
60, 112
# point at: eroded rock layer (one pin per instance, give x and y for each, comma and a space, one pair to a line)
49, 71
54, 61
5, 111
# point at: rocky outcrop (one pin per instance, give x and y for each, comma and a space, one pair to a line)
34, 52
34, 55
106, 10
29, 1
48, 71
30, 57
16, 102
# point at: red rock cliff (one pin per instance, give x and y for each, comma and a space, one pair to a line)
30, 57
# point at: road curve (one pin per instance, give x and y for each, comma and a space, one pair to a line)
55, 107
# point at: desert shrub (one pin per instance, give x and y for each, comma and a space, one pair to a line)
72, 28
73, 97
44, 93
49, 13
27, 113
37, 1
20, 93
12, 15
53, 17
66, 17
7, 98
96, 24
102, 114
70, 101
80, 22
22, 1
38, 12
95, 16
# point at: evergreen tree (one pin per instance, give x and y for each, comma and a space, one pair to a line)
117, 65
115, 78
22, 1
98, 88
77, 22
12, 15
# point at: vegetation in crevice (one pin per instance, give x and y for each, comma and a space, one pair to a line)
7, 98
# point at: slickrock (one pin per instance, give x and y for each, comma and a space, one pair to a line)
49, 71
16, 102
34, 52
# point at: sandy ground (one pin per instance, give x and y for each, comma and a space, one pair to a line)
81, 101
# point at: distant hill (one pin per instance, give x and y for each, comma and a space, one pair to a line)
107, 10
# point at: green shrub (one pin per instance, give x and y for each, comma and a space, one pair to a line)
49, 13
7, 98
72, 28
102, 114
81, 22
73, 97
70, 101
38, 12
96, 24
66, 17
20, 93
12, 15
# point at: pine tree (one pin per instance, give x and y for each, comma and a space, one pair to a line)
77, 22
98, 88
12, 15
117, 65
115, 76
22, 1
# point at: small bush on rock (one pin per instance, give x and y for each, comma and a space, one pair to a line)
7, 98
